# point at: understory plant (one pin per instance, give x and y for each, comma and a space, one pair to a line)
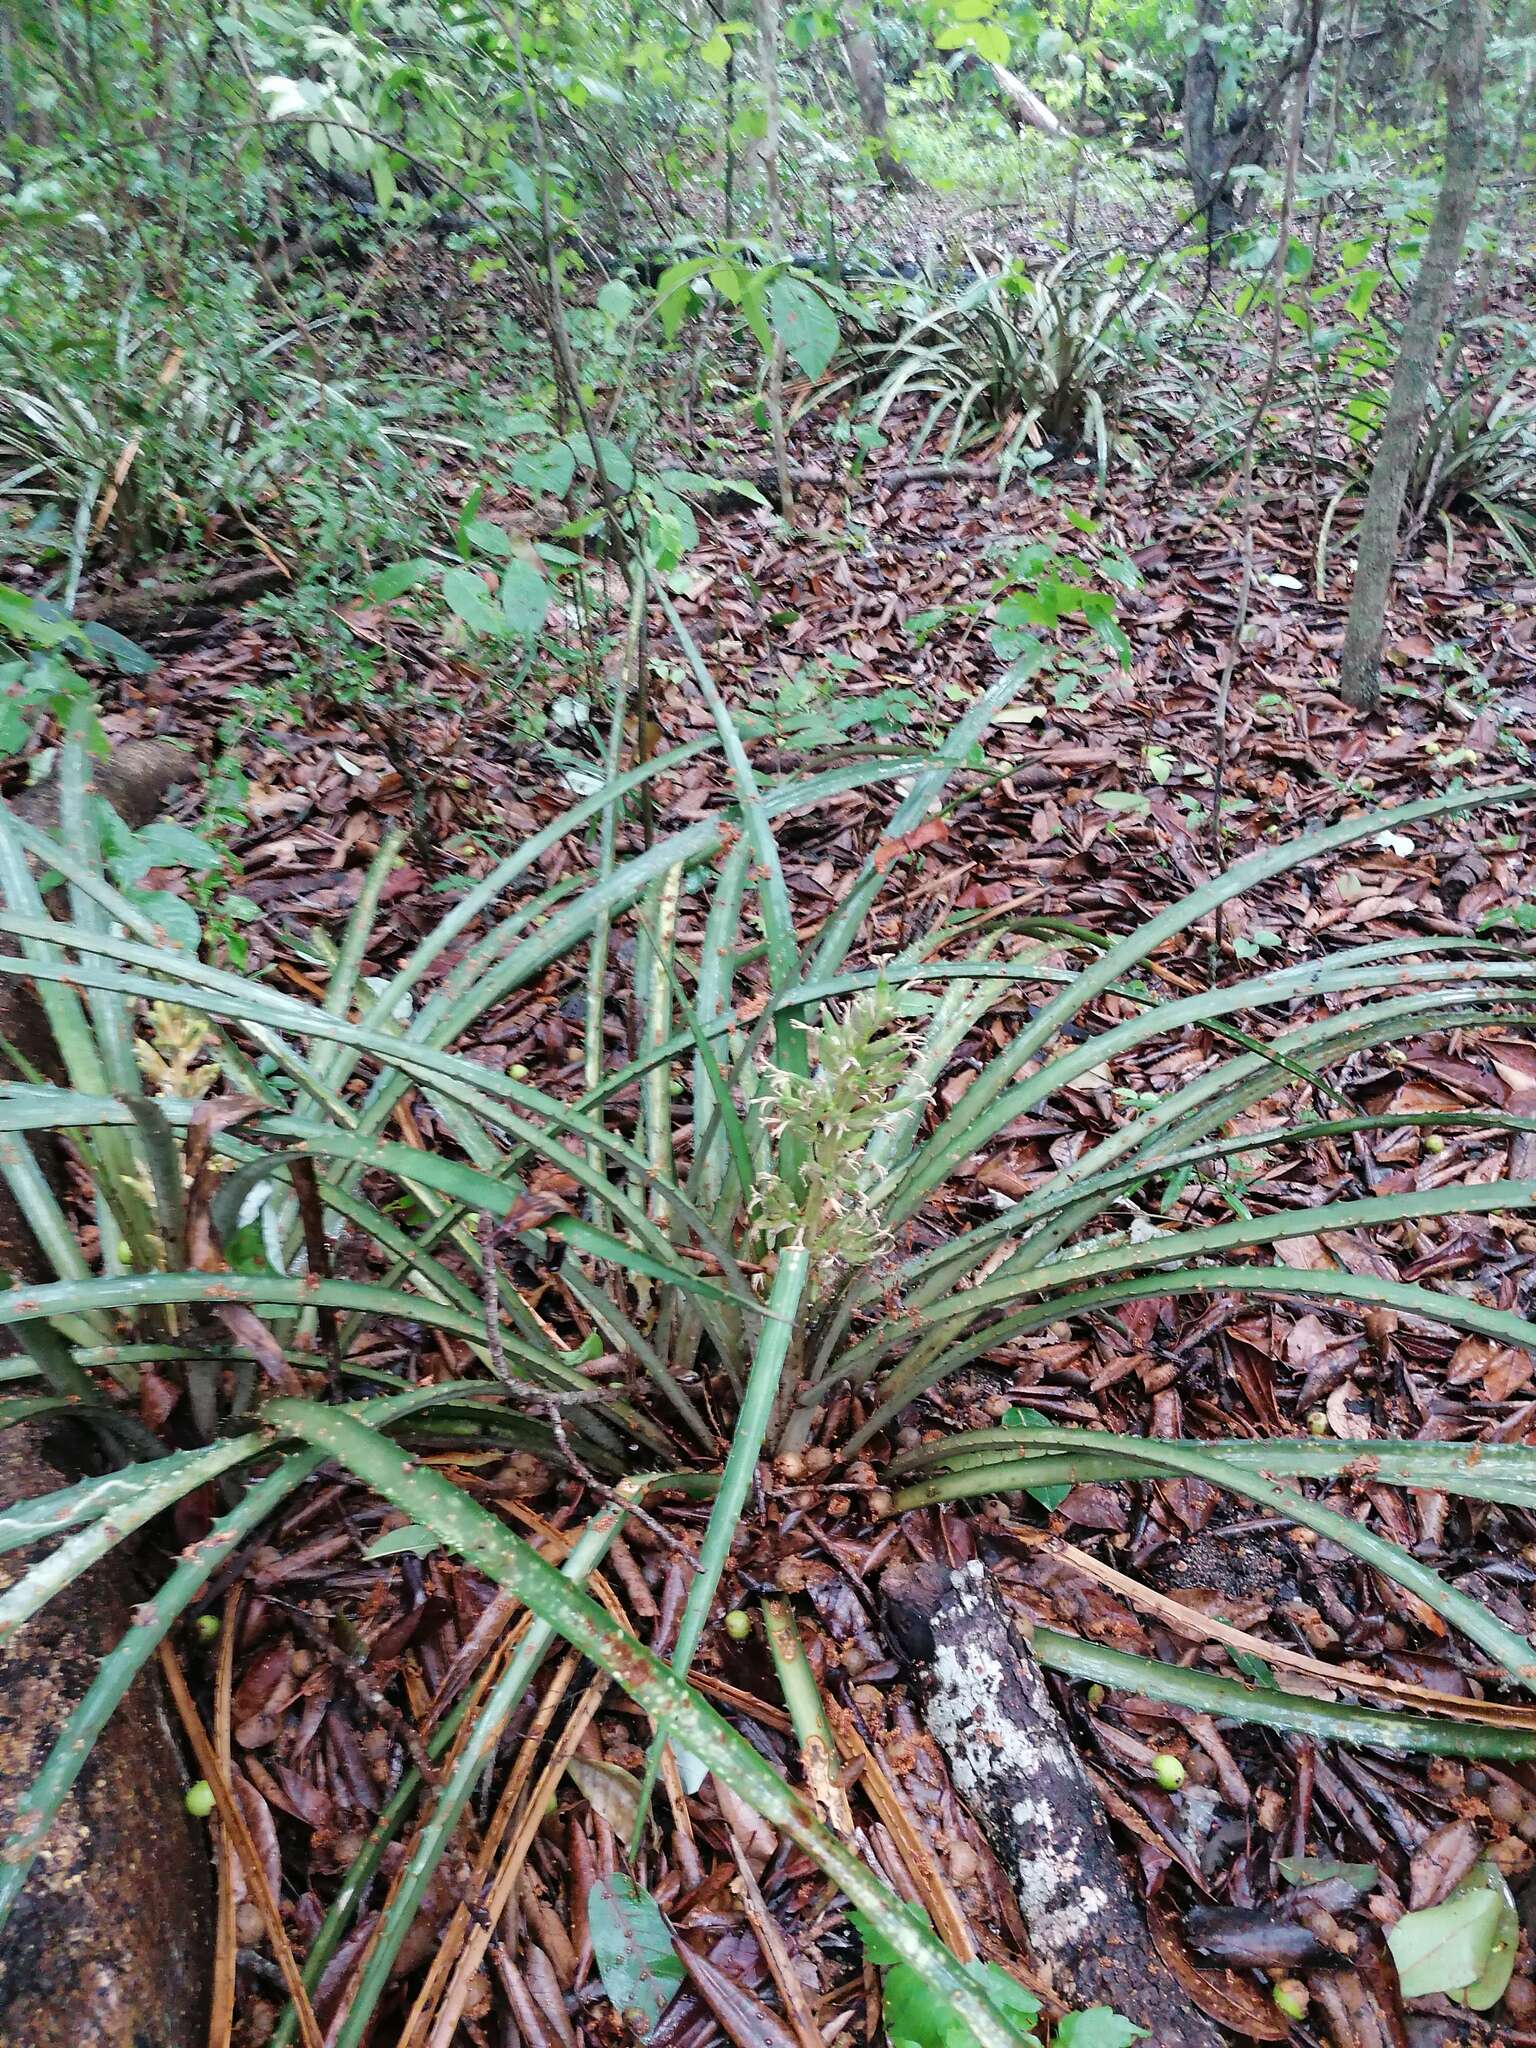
1476, 456
1015, 356
1477, 452
749, 1208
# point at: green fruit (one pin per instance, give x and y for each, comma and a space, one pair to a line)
1290, 1996
1434, 1142
199, 1801
1168, 1771
206, 1627
738, 1624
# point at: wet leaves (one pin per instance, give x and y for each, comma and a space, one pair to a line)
1464, 1947
633, 1949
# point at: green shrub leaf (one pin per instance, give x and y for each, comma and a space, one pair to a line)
1464, 1947
468, 599
633, 1950
805, 323
550, 470
1098, 2027
398, 578
524, 599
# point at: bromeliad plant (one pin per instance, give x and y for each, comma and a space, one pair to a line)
1015, 357
740, 1210
1476, 455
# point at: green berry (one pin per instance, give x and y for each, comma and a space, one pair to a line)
738, 1624
1317, 1422
517, 1071
1434, 1142
1290, 1996
1096, 1695
1168, 1771
199, 1801
206, 1627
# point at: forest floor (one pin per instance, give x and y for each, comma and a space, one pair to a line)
1094, 805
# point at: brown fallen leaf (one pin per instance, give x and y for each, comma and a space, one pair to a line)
1440, 1862
743, 2018
932, 832
1224, 1996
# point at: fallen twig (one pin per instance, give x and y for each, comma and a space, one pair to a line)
1015, 1766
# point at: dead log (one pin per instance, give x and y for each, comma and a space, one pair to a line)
154, 608
756, 483
110, 1943
1026, 109
1014, 1765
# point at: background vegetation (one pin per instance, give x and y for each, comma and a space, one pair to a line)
606, 1184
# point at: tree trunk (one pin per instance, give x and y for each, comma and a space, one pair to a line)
767, 12
1082, 118
1215, 147
864, 68
1360, 662
1201, 84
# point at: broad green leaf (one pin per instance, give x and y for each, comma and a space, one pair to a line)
674, 296
917, 2015
548, 469
1098, 2027
751, 297
175, 917
132, 659
489, 538
617, 467
524, 599
1494, 1980
163, 844
468, 599
621, 471
616, 301
632, 1948
805, 323
1362, 291
987, 38
398, 578
1464, 1947
1298, 258
25, 620
1032, 1418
